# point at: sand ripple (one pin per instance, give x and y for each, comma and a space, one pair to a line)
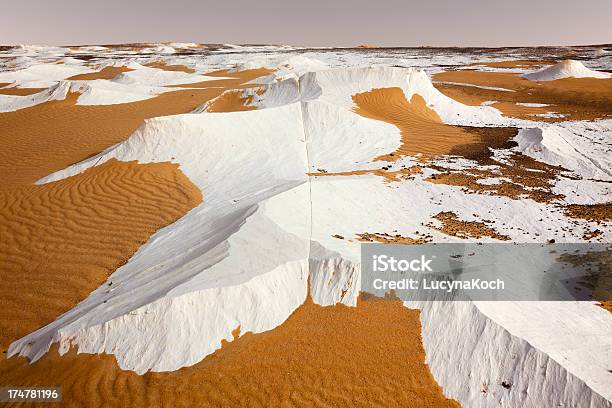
367, 356
40, 140
422, 129
60, 241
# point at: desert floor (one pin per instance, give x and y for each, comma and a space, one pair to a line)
180, 223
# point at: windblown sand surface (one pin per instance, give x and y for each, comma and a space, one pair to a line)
60, 241
238, 79
104, 73
423, 132
367, 356
575, 98
19, 91
421, 128
165, 67
37, 141
524, 63
231, 101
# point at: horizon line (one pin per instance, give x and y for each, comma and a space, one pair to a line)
359, 46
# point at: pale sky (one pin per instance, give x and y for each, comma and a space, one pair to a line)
308, 22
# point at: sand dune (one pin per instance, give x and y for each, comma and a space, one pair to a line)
505, 80
565, 69
104, 73
60, 241
322, 356
422, 130
53, 135
75, 232
574, 98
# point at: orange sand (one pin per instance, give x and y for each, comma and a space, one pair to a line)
231, 101
421, 128
598, 213
389, 176
238, 79
51, 136
592, 235
492, 79
60, 241
162, 65
385, 238
577, 98
19, 91
338, 356
105, 73
529, 178
607, 304
452, 225
128, 46
598, 276
41, 225
532, 64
